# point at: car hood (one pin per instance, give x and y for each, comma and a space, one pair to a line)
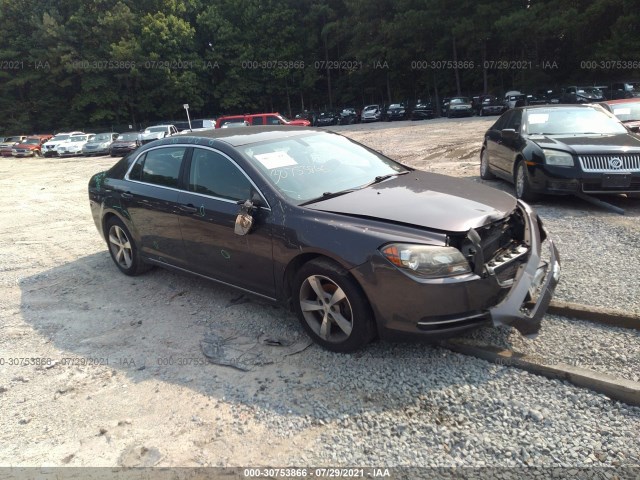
423, 199
27, 146
619, 143
8, 144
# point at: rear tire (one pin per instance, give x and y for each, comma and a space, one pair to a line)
124, 252
485, 168
331, 307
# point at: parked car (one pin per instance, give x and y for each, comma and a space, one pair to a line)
100, 144
349, 116
536, 99
514, 98
422, 110
396, 111
371, 113
357, 244
308, 115
196, 125
31, 147
561, 149
255, 119
326, 119
620, 90
74, 145
125, 143
8, 144
627, 110
488, 105
157, 132
49, 148
459, 107
581, 95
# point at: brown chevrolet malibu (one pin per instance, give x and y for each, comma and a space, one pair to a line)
358, 245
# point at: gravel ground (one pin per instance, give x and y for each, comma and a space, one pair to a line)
158, 401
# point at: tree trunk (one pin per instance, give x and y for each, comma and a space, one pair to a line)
326, 58
455, 64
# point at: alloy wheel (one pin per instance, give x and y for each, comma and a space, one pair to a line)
120, 246
326, 308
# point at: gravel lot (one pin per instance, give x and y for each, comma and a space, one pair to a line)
127, 383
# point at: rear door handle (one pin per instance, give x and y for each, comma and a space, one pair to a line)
188, 208
126, 195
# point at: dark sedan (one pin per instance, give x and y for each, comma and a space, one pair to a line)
561, 149
357, 244
124, 143
326, 119
422, 111
396, 111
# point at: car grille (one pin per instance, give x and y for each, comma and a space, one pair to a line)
610, 163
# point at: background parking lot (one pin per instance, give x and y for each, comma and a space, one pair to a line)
105, 370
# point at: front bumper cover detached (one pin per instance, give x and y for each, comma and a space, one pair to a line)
531, 275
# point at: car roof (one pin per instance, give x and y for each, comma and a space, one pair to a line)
245, 136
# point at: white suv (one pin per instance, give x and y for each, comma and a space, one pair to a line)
49, 148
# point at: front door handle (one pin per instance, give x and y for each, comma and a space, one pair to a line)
126, 195
188, 208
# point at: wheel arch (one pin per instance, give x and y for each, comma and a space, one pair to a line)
297, 262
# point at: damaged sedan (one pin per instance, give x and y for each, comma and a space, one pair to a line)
358, 245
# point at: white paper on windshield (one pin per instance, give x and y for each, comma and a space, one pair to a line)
273, 160
622, 111
535, 118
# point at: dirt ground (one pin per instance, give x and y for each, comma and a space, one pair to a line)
99, 369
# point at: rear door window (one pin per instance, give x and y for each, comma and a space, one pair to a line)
159, 167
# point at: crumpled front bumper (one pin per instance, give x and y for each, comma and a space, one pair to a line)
510, 311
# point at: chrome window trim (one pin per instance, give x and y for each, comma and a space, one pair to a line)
126, 176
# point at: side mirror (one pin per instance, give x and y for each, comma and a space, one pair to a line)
509, 134
244, 220
635, 129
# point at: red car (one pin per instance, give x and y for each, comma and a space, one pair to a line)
626, 109
31, 147
258, 119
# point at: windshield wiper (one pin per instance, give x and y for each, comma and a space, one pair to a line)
328, 195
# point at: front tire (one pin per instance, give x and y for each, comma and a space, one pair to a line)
331, 307
124, 252
523, 184
485, 168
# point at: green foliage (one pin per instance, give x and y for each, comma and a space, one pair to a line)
94, 63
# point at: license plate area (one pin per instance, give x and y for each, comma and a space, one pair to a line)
616, 180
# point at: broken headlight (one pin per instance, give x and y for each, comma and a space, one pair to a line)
426, 260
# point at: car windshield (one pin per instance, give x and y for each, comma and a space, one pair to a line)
13, 139
460, 100
570, 121
310, 166
127, 137
626, 111
590, 91
102, 137
369, 108
33, 141
395, 105
78, 138
155, 129
60, 138
232, 120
